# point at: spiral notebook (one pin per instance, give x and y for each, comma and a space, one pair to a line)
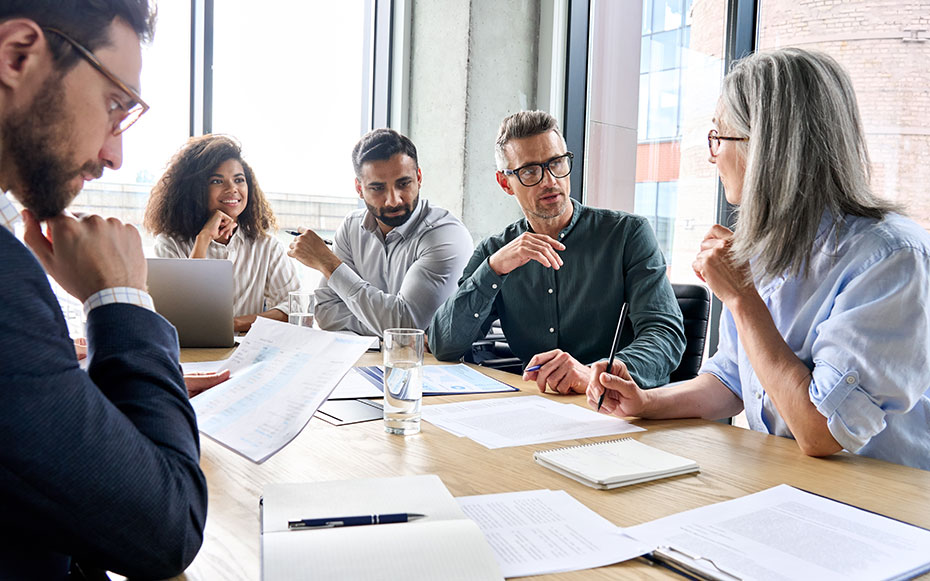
614, 463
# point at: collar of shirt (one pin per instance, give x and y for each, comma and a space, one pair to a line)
9, 216
370, 223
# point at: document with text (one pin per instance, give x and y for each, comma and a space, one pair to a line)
280, 374
518, 421
785, 533
547, 531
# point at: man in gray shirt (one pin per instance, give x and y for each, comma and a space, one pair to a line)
394, 262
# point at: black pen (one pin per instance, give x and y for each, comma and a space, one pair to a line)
613, 351
326, 241
352, 521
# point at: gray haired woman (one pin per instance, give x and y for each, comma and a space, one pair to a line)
825, 334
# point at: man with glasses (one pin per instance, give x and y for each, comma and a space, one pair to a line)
558, 278
99, 469
393, 262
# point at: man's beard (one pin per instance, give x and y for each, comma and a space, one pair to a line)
538, 211
36, 145
394, 221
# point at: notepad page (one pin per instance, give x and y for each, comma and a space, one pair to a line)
449, 550
616, 461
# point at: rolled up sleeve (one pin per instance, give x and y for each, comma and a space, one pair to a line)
871, 356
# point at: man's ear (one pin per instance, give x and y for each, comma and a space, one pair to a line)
24, 53
358, 188
503, 183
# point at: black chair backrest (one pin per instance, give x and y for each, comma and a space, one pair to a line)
694, 301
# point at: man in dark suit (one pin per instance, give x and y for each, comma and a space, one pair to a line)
99, 470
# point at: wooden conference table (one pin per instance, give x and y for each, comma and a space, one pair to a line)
734, 462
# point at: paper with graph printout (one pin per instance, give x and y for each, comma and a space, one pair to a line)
547, 531
280, 374
785, 533
518, 421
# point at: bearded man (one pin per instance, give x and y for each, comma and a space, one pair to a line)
99, 469
557, 279
393, 263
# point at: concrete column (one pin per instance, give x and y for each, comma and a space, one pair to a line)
472, 63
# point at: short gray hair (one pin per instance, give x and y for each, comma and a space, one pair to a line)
521, 125
806, 155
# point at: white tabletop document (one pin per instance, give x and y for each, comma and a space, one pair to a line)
280, 374
445, 545
519, 421
547, 531
785, 533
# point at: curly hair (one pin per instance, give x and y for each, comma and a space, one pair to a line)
179, 207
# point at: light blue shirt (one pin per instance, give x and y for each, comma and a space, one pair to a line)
861, 321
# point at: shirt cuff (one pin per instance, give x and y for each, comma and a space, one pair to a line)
853, 417
119, 294
343, 280
486, 281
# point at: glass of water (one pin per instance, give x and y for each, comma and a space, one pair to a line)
403, 382
300, 308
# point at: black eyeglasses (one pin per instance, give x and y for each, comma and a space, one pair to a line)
135, 109
532, 173
713, 141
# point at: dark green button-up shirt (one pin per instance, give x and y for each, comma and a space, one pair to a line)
610, 257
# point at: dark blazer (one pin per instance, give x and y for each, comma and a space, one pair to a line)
102, 465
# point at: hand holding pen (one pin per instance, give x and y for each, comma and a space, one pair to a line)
312, 251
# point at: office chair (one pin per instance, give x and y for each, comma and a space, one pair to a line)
693, 300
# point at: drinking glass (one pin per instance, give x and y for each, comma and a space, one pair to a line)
300, 308
403, 380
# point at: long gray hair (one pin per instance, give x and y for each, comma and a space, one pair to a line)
806, 155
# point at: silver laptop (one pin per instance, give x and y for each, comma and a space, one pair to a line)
196, 296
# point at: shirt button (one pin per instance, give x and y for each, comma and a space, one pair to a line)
758, 395
550, 291
551, 330
562, 235
476, 315
850, 379
494, 285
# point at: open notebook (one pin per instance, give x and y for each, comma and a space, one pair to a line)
614, 463
444, 545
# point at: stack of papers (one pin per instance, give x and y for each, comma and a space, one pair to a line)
786, 533
547, 531
280, 374
519, 421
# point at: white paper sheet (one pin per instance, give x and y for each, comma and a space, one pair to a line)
204, 366
544, 531
785, 533
355, 386
281, 374
518, 421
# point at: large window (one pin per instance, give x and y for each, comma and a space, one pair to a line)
646, 149
885, 47
149, 144
290, 89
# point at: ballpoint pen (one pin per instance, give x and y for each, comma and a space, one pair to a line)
352, 521
533, 368
613, 351
326, 241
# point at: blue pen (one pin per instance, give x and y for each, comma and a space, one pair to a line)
533, 368
326, 241
352, 521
